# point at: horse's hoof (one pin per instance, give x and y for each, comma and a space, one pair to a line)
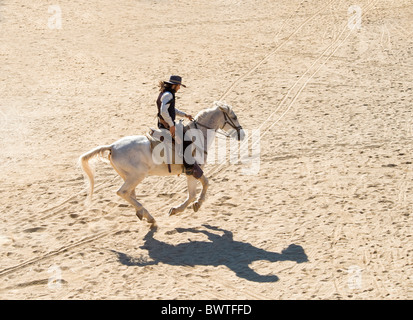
196, 206
151, 220
148, 217
139, 215
172, 212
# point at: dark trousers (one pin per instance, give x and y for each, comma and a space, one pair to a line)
185, 145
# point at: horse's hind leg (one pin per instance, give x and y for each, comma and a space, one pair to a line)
127, 192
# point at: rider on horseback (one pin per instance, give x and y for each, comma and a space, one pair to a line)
167, 113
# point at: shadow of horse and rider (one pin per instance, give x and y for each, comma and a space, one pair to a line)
221, 249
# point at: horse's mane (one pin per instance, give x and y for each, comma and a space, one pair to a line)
217, 104
203, 113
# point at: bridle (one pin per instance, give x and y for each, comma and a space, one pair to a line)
228, 120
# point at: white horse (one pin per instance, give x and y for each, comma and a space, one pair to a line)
132, 159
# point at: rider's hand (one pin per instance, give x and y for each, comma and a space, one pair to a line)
172, 130
189, 117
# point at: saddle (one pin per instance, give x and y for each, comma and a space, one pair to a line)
168, 153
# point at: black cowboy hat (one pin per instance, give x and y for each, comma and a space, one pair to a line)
175, 80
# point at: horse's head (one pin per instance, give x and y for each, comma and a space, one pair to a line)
230, 123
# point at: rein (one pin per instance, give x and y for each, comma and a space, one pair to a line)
228, 120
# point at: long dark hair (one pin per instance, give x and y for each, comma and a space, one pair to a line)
163, 86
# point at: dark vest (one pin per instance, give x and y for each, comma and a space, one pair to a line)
171, 109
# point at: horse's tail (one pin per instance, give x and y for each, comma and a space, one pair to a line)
84, 163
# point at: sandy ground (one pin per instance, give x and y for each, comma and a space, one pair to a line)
328, 215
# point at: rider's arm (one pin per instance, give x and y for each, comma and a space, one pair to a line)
180, 113
165, 99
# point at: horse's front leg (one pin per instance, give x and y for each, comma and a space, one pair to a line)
191, 196
198, 203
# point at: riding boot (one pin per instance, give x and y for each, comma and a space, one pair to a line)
193, 170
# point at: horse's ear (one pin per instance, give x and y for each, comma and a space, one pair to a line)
218, 104
222, 105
